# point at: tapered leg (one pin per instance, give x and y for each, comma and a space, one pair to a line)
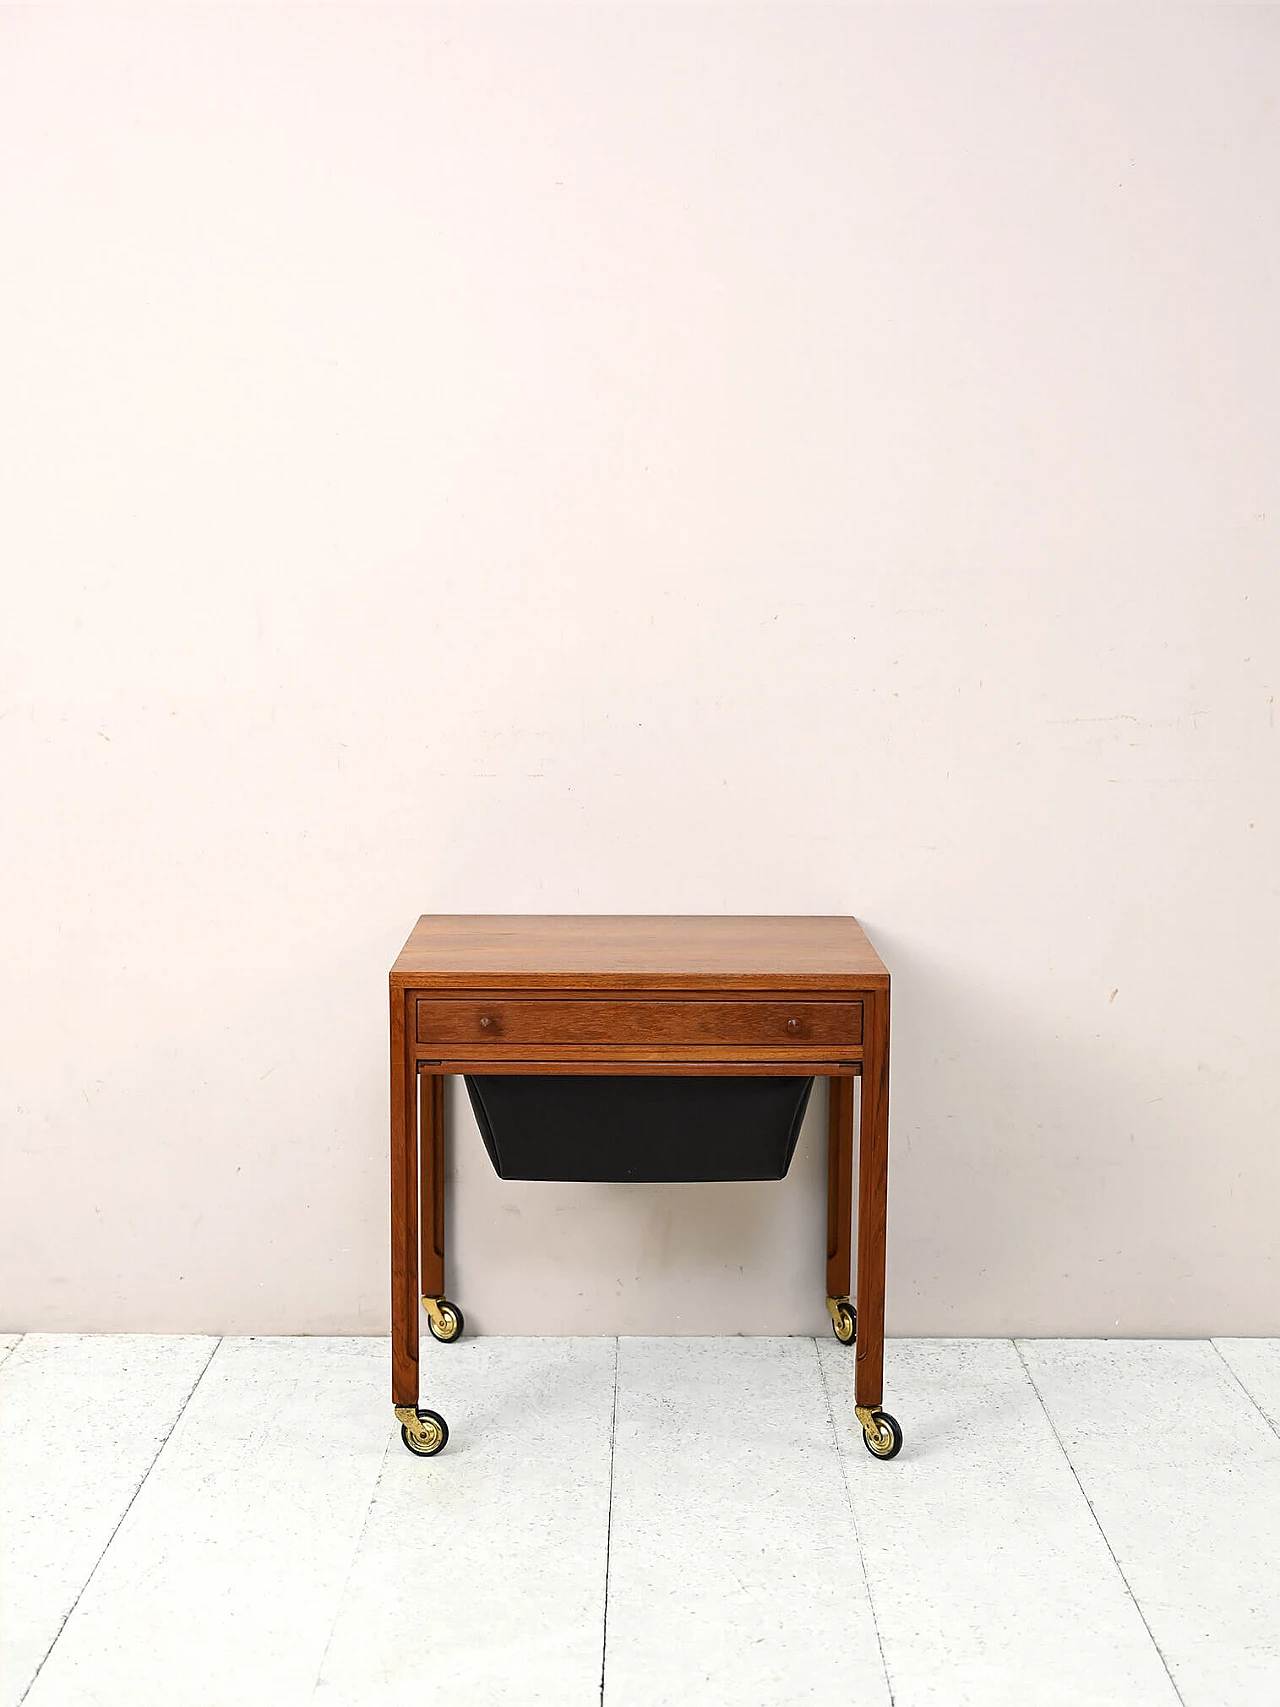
443, 1318
839, 1187
404, 1212
873, 1183
432, 1148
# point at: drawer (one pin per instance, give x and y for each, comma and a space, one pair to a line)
690, 1025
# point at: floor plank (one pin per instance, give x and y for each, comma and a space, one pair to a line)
222, 1583
278, 1549
734, 1576
1256, 1365
991, 1583
1184, 1476
81, 1422
479, 1578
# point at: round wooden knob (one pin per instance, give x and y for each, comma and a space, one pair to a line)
485, 1022
793, 1025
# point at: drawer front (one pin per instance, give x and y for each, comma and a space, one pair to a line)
690, 1025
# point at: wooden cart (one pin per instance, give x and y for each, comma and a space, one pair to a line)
636, 995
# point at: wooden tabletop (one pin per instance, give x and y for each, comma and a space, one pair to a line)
610, 951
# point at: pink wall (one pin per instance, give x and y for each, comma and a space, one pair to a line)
640, 458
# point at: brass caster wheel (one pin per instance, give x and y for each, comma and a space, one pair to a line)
444, 1319
424, 1432
880, 1432
844, 1319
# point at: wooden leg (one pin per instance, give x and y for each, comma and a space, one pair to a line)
404, 1213
432, 1149
873, 1183
839, 1186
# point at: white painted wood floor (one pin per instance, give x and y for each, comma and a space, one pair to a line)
639, 1522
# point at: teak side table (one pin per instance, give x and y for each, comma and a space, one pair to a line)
569, 995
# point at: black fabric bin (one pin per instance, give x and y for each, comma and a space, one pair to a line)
638, 1127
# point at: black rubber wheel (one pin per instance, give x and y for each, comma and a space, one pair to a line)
438, 1444
457, 1321
891, 1423
846, 1329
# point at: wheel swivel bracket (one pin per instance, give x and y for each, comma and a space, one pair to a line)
872, 1427
835, 1306
422, 1429
437, 1315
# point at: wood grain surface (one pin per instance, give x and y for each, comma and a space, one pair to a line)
637, 951
757, 1023
873, 1191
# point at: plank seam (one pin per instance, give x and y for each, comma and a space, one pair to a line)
351, 1562
853, 1515
608, 1532
1240, 1384
1093, 1514
142, 1482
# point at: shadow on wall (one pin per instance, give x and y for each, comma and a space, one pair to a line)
693, 1258
1058, 1180
1043, 1180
